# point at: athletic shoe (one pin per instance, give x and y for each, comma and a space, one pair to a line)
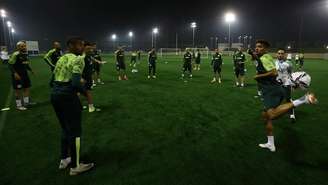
148, 77
199, 69
21, 108
64, 163
190, 76
94, 109
219, 81
119, 78
154, 77
242, 85
81, 168
272, 148
293, 118
125, 78
237, 84
311, 99
213, 81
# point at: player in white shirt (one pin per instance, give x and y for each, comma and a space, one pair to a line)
284, 68
4, 56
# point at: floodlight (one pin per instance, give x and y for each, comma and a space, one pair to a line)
9, 24
155, 30
130, 34
114, 37
230, 17
12, 30
3, 13
193, 25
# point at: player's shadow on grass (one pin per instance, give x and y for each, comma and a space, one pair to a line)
294, 149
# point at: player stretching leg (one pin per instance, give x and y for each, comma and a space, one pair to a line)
120, 64
284, 69
273, 93
239, 67
67, 105
19, 67
216, 64
152, 64
187, 64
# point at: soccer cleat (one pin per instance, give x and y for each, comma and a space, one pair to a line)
214, 80
242, 85
272, 148
154, 77
293, 118
311, 99
81, 168
237, 84
94, 109
219, 80
21, 108
190, 76
148, 77
198, 69
119, 78
125, 78
64, 163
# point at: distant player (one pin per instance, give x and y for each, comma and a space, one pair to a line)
89, 62
197, 60
139, 55
4, 56
53, 56
120, 64
187, 64
152, 57
273, 93
217, 66
67, 105
301, 62
97, 64
239, 59
285, 69
133, 61
19, 67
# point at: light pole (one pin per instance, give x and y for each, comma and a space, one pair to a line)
193, 26
13, 36
131, 38
153, 37
114, 37
9, 24
3, 15
230, 18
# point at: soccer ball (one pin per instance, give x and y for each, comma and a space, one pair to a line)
301, 79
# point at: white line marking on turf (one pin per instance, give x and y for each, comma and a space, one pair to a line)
3, 117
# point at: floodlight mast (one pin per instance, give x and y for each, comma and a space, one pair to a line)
131, 38
153, 37
193, 26
114, 37
3, 15
230, 18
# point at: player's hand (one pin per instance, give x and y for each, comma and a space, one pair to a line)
17, 77
82, 81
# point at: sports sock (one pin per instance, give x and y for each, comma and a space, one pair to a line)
300, 101
271, 140
18, 102
26, 100
91, 106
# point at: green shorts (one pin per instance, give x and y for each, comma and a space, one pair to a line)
273, 95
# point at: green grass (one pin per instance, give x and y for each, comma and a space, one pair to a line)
168, 132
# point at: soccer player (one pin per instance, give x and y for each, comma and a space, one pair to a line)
197, 60
53, 55
96, 66
216, 64
133, 61
4, 56
273, 93
152, 57
285, 69
139, 55
89, 62
67, 105
120, 64
19, 67
301, 62
239, 59
187, 64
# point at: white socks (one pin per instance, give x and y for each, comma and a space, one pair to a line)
271, 140
91, 106
26, 100
300, 101
18, 102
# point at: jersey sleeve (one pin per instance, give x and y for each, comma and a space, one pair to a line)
48, 59
268, 62
12, 59
78, 65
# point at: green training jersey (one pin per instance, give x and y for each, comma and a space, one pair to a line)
19, 62
52, 57
66, 66
264, 64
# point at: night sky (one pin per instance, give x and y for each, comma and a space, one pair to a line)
277, 21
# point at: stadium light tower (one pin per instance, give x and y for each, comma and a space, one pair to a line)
131, 38
10, 25
230, 18
153, 37
114, 38
193, 26
3, 15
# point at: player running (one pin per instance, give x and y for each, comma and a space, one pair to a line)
19, 67
239, 59
273, 93
187, 64
284, 69
89, 62
96, 66
197, 60
120, 64
216, 64
67, 105
152, 57
53, 56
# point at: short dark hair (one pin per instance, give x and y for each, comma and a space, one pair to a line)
74, 40
265, 43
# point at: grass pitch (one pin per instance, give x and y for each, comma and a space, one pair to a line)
166, 131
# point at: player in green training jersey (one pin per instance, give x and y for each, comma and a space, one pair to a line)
53, 56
